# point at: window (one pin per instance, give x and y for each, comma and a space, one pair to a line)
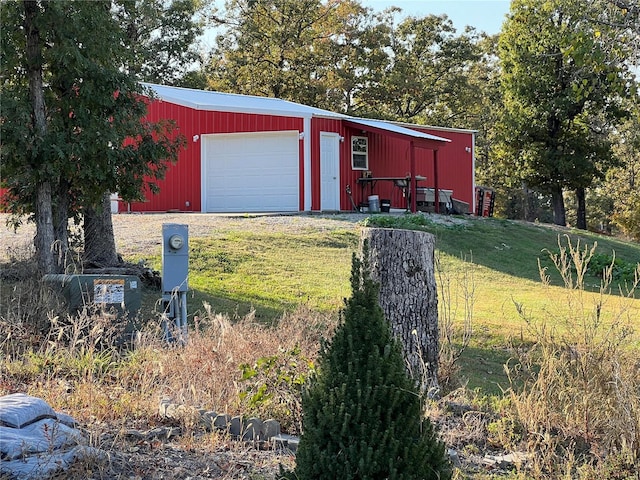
359, 153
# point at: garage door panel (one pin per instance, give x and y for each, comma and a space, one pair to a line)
242, 203
251, 172
275, 163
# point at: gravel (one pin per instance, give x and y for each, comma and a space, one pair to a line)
136, 233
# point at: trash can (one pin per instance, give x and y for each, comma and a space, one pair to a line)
385, 205
374, 204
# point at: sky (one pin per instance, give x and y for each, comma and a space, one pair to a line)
484, 15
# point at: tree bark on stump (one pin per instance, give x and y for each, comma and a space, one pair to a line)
402, 262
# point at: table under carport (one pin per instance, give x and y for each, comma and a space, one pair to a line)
404, 183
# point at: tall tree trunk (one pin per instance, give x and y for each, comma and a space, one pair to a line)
99, 241
61, 224
44, 238
530, 207
525, 202
559, 213
581, 212
402, 262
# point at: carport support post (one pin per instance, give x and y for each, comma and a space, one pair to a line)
413, 188
436, 192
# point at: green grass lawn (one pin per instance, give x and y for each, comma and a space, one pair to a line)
271, 272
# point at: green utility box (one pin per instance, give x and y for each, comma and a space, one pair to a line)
121, 293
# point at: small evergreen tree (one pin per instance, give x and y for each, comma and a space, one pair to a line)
362, 414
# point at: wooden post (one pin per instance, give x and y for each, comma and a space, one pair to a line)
402, 262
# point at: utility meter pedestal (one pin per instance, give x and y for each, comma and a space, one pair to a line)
175, 274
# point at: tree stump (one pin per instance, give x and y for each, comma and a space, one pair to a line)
402, 262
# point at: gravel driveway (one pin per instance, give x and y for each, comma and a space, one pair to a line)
139, 233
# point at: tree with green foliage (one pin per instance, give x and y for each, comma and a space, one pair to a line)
363, 417
341, 56
356, 56
323, 53
73, 127
623, 182
162, 38
424, 72
564, 80
272, 48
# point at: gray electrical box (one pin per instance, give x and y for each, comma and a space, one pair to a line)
120, 292
175, 257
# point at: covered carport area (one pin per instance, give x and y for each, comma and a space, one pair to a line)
415, 139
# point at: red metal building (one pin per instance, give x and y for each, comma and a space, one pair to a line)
258, 154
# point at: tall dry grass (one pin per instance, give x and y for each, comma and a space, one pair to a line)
574, 402
78, 365
576, 393
457, 296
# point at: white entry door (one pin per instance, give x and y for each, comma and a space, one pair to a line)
329, 171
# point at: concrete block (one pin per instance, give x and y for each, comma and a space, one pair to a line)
289, 442
251, 430
235, 426
221, 422
270, 428
207, 419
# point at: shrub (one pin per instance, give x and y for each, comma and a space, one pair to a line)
594, 263
273, 384
621, 271
362, 414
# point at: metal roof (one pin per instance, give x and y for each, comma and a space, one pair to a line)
391, 127
433, 127
232, 102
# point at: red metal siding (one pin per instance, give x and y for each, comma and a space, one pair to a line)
391, 157
388, 157
183, 180
455, 164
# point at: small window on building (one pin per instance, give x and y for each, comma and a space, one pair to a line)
359, 153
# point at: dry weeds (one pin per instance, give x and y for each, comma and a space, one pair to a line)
75, 365
112, 391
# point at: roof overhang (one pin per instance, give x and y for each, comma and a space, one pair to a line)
206, 100
433, 127
420, 139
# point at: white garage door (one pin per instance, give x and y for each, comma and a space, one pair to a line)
251, 172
